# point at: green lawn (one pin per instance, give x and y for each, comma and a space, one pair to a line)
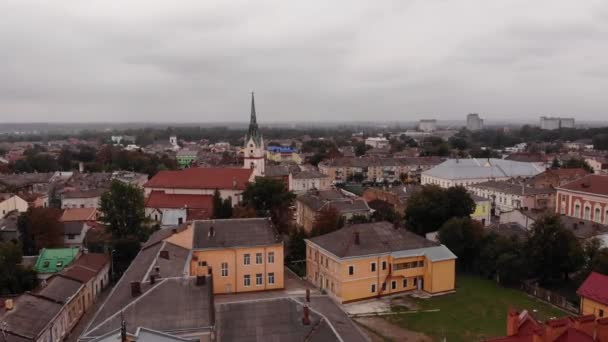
477, 310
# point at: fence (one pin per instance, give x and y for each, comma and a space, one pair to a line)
550, 297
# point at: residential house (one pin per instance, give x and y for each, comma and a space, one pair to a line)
593, 293
76, 223
599, 164
175, 209
377, 142
582, 229
307, 180
556, 177
93, 271
483, 210
10, 202
523, 327
82, 198
453, 172
52, 311
244, 255
280, 154
230, 182
309, 205
374, 259
282, 173
132, 178
186, 157
8, 226
53, 260
510, 195
585, 198
396, 196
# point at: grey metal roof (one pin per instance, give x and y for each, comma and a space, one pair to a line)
374, 238
234, 233
73, 227
436, 253
473, 168
512, 188
60, 288
280, 319
171, 304
30, 315
309, 175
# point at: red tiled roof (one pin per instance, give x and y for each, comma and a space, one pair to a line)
574, 335
87, 266
79, 214
595, 287
159, 199
567, 173
202, 178
594, 184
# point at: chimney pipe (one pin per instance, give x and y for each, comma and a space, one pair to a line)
135, 288
81, 167
164, 254
152, 279
357, 239
306, 316
211, 232
308, 295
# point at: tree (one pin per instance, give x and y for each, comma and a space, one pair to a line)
595, 256
462, 236
122, 210
502, 258
428, 209
222, 209
361, 148
553, 251
600, 141
271, 198
40, 228
14, 277
327, 221
555, 164
574, 163
460, 202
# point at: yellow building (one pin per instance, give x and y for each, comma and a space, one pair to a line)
244, 255
483, 210
594, 295
375, 259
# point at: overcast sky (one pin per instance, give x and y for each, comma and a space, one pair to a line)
197, 61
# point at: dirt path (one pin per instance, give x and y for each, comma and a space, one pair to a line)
382, 330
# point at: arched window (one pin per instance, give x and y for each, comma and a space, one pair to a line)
597, 215
587, 213
577, 210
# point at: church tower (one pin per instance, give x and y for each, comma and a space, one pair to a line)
254, 145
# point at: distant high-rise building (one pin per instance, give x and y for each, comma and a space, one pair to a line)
474, 122
427, 125
551, 123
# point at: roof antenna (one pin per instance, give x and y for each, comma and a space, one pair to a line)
123, 328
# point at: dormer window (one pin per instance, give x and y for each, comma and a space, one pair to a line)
250, 145
46, 264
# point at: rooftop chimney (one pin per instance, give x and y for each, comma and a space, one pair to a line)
81, 167
135, 288
211, 232
174, 230
152, 279
357, 239
308, 295
306, 316
164, 254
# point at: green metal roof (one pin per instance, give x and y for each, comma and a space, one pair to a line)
53, 260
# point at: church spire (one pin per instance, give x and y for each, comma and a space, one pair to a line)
253, 120
253, 132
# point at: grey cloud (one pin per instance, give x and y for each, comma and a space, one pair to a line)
344, 60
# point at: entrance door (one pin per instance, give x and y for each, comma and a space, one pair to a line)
420, 283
